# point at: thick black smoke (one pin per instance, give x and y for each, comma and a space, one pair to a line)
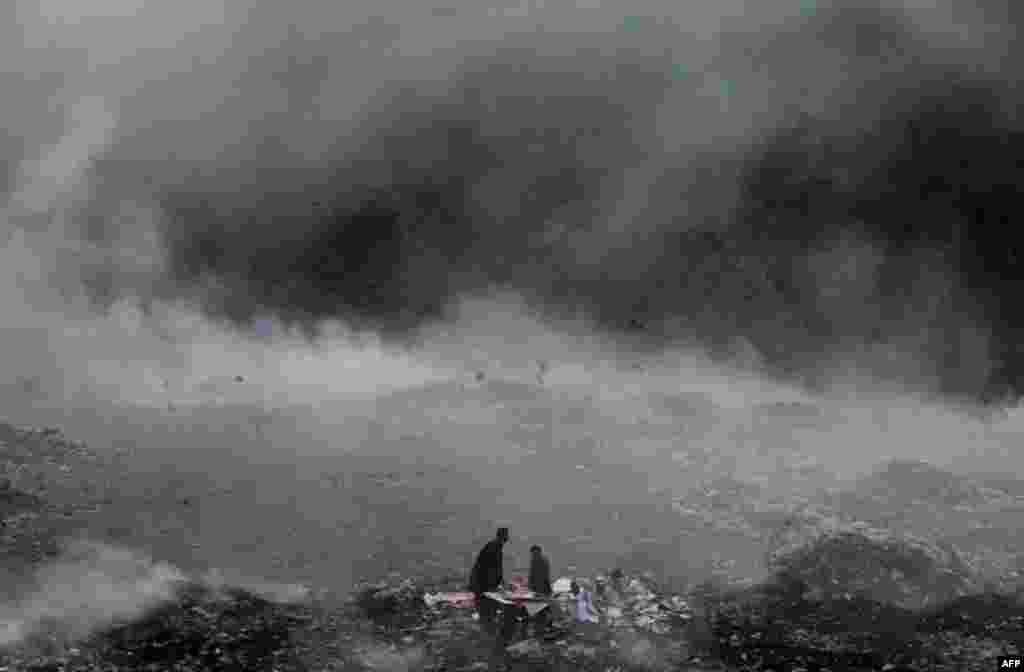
860, 212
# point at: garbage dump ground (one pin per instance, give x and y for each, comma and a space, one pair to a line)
406, 626
379, 628
851, 597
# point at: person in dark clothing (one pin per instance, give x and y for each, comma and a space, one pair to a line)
487, 575
488, 571
540, 572
540, 583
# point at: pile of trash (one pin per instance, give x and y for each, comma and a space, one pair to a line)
458, 600
390, 605
651, 612
42, 442
876, 564
624, 603
223, 629
632, 614
629, 603
42, 460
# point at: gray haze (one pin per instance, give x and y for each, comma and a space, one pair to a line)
355, 207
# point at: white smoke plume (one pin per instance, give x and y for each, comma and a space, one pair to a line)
93, 586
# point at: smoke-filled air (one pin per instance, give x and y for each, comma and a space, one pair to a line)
364, 280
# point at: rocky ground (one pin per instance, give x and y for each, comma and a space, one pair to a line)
769, 628
855, 586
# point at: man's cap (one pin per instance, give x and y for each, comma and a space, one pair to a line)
535, 549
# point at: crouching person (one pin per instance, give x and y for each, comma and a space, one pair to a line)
586, 614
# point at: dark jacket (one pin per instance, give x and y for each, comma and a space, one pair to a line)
540, 574
488, 572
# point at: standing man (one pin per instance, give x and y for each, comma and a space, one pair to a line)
540, 572
488, 575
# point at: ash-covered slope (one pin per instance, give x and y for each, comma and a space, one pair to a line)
912, 482
879, 566
978, 519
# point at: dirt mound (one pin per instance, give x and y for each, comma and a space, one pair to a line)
876, 565
391, 606
772, 626
913, 481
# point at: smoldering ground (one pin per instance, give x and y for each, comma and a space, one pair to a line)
91, 587
749, 201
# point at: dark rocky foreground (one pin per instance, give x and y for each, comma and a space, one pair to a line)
767, 628
855, 597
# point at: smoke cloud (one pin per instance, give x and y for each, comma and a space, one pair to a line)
828, 187
688, 213
93, 586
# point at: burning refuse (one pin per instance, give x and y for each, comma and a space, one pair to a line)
607, 271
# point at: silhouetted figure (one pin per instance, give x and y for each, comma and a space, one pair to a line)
487, 575
540, 572
540, 583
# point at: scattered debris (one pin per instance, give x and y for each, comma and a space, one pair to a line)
456, 600
845, 595
530, 648
391, 605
